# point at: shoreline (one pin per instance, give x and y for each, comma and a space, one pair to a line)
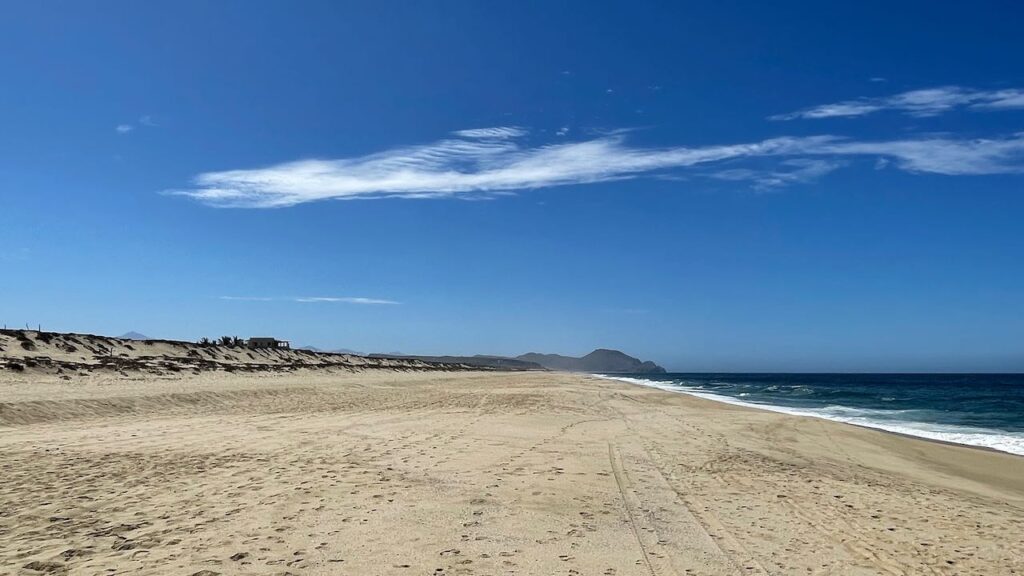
727, 400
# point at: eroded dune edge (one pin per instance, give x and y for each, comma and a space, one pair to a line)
74, 356
354, 471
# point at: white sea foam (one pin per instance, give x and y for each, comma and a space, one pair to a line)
880, 419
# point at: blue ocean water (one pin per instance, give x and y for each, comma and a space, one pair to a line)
976, 409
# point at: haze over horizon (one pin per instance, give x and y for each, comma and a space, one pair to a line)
710, 186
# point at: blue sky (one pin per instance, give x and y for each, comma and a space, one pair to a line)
714, 186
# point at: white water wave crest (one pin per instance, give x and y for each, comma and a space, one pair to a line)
870, 418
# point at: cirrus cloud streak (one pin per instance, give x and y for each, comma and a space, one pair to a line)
919, 103
313, 299
484, 162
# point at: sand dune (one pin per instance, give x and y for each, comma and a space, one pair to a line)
380, 472
72, 356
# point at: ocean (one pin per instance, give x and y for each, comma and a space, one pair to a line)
976, 409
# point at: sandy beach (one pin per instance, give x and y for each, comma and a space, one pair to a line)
385, 472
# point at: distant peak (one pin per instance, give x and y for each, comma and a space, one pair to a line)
600, 360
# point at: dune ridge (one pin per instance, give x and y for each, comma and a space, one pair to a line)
68, 355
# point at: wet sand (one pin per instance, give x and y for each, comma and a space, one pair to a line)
382, 472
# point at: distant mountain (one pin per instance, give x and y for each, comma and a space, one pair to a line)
134, 336
345, 351
338, 351
600, 360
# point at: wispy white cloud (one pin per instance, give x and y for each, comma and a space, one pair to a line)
145, 121
346, 300
312, 299
493, 161
941, 155
500, 132
1004, 99
795, 171
919, 103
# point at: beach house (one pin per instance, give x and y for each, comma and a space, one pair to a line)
262, 342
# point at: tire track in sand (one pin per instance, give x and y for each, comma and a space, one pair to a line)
631, 503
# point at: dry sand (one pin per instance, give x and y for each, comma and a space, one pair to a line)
383, 472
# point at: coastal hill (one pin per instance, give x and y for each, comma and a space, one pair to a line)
600, 360
66, 356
